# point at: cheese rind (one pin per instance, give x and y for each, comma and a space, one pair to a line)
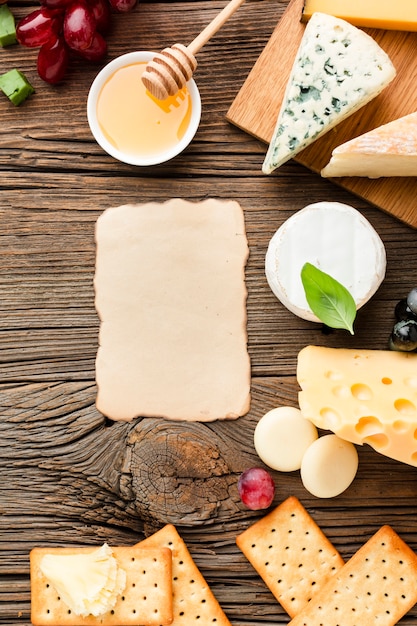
389, 150
363, 396
384, 14
334, 237
337, 70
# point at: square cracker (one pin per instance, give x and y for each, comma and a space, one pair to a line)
291, 554
193, 601
171, 297
376, 586
146, 599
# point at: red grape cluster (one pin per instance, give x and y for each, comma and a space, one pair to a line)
60, 27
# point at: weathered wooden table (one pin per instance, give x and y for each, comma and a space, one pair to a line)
68, 476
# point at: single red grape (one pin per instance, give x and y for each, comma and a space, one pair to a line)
102, 14
123, 6
256, 488
38, 27
53, 60
97, 51
79, 26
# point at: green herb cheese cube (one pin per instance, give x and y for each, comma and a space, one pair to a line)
15, 86
7, 27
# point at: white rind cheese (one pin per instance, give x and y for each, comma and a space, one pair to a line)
389, 150
362, 396
338, 69
338, 240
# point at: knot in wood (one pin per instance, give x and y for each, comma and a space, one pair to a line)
178, 472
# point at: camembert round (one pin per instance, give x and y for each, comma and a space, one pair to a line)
337, 239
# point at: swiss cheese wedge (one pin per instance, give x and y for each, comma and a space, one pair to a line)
389, 150
338, 69
363, 396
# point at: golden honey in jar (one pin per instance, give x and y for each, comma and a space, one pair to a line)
135, 122
133, 126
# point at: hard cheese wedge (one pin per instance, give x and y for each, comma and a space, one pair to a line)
337, 70
384, 14
363, 396
389, 150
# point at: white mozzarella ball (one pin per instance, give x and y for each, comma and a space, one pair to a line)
281, 438
329, 466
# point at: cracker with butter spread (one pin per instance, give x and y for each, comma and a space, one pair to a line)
291, 554
146, 598
376, 586
194, 604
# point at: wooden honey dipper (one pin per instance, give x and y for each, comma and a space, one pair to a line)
170, 69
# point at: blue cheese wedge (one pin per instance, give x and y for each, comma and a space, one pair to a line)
337, 70
388, 150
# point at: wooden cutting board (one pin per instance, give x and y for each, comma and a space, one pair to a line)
255, 109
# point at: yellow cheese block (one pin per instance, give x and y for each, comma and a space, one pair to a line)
389, 150
386, 14
363, 396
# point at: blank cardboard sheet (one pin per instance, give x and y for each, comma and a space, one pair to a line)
171, 297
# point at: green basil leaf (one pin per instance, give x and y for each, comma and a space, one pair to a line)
329, 300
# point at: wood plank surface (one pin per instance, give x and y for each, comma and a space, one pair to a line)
256, 107
68, 475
